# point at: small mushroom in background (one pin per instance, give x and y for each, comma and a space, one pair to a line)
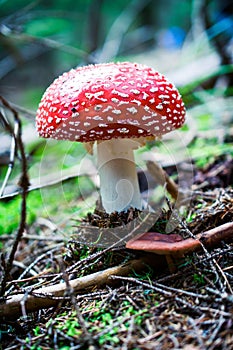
173, 247
117, 107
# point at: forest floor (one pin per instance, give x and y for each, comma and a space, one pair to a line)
117, 298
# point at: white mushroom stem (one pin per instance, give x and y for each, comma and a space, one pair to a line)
119, 188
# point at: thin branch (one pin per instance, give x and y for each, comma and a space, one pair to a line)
13, 133
71, 293
47, 297
52, 179
211, 237
162, 178
172, 295
24, 183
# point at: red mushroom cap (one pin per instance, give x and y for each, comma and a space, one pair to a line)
112, 100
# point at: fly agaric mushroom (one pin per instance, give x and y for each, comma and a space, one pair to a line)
118, 106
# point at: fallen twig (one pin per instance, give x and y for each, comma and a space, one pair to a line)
164, 245
24, 183
162, 178
42, 298
51, 179
168, 292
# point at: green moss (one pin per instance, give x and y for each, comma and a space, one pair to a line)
57, 202
205, 151
9, 216
10, 212
199, 279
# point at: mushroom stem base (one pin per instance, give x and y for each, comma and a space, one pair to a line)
119, 188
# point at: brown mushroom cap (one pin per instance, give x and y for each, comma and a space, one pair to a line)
162, 244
